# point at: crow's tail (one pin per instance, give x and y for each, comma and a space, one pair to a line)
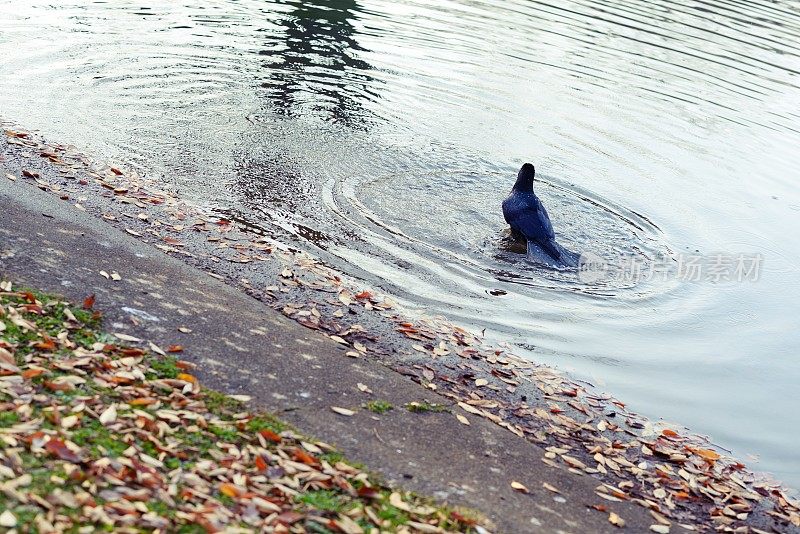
551, 249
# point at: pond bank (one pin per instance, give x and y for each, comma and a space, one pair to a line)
241, 346
675, 478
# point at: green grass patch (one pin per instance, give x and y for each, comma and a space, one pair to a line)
378, 406
8, 419
163, 367
227, 435
425, 407
268, 422
216, 402
326, 500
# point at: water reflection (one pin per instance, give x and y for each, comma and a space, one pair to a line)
314, 65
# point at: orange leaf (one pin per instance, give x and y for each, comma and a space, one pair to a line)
142, 401
47, 344
681, 495
116, 171
56, 447
669, 433
29, 297
88, 302
121, 380
175, 348
32, 373
364, 295
708, 454
261, 464
187, 377
228, 489
303, 457
52, 386
269, 435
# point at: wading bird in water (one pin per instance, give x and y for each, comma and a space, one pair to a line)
528, 219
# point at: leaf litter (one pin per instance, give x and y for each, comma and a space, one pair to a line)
95, 434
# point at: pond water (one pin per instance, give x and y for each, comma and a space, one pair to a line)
383, 135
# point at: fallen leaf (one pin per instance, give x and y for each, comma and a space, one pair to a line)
109, 415
184, 330
469, 408
397, 501
31, 373
228, 489
661, 529
343, 411
519, 487
69, 421
7, 519
669, 433
269, 435
47, 344
261, 464
708, 454
186, 377
480, 382
616, 520
175, 348
88, 302
461, 419
303, 457
289, 518
58, 448
550, 487
126, 337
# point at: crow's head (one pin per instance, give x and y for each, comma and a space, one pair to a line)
525, 176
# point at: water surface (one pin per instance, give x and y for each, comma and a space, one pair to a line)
383, 135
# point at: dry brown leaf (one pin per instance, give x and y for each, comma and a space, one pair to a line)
518, 486
616, 520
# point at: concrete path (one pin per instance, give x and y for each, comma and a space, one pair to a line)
241, 346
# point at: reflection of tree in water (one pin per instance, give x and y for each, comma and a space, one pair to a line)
315, 69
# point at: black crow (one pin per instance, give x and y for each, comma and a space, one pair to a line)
525, 213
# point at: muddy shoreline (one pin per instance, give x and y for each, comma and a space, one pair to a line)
681, 479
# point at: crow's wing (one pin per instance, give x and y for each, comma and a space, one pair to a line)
532, 221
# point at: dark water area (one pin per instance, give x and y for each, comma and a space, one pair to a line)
383, 136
